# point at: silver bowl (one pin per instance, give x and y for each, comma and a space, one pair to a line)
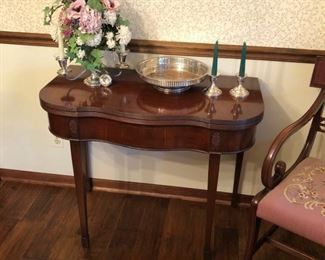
171, 74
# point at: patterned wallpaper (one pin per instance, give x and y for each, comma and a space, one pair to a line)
276, 23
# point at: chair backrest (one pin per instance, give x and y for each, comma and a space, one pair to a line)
318, 77
318, 81
314, 113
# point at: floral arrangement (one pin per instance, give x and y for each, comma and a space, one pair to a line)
87, 27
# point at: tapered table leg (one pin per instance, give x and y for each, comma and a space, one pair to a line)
214, 162
89, 184
79, 162
239, 163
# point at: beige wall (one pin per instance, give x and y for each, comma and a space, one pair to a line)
26, 143
277, 23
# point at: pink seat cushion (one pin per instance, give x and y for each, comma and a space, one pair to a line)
298, 202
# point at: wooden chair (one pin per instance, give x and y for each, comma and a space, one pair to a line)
294, 198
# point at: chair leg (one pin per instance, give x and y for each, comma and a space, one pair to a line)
254, 227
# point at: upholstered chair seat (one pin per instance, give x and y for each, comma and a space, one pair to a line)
300, 201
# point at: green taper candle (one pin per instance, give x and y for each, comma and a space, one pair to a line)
243, 60
215, 60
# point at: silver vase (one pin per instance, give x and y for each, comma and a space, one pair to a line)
122, 59
63, 62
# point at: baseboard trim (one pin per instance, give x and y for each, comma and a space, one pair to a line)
181, 48
144, 189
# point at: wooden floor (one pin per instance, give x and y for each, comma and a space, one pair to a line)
41, 222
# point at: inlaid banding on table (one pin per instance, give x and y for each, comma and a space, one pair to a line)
215, 140
73, 127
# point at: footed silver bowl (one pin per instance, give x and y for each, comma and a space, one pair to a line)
171, 74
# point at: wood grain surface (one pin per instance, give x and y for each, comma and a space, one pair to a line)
41, 222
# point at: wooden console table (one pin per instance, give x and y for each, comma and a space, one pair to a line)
132, 113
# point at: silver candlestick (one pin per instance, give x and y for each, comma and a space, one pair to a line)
63, 62
213, 90
239, 91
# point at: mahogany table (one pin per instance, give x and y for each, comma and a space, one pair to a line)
132, 113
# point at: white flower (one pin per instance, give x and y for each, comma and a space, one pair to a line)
123, 35
109, 35
110, 40
81, 54
79, 41
95, 41
110, 17
111, 43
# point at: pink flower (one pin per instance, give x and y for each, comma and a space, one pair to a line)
111, 5
90, 20
74, 9
63, 19
67, 33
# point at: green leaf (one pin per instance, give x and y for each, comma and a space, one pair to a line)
72, 43
46, 10
96, 5
66, 2
85, 36
47, 18
121, 21
49, 11
96, 54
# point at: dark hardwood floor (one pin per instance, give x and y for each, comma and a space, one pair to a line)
41, 222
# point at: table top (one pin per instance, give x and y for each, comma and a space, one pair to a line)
130, 99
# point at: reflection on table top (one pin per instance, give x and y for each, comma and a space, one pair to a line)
131, 97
